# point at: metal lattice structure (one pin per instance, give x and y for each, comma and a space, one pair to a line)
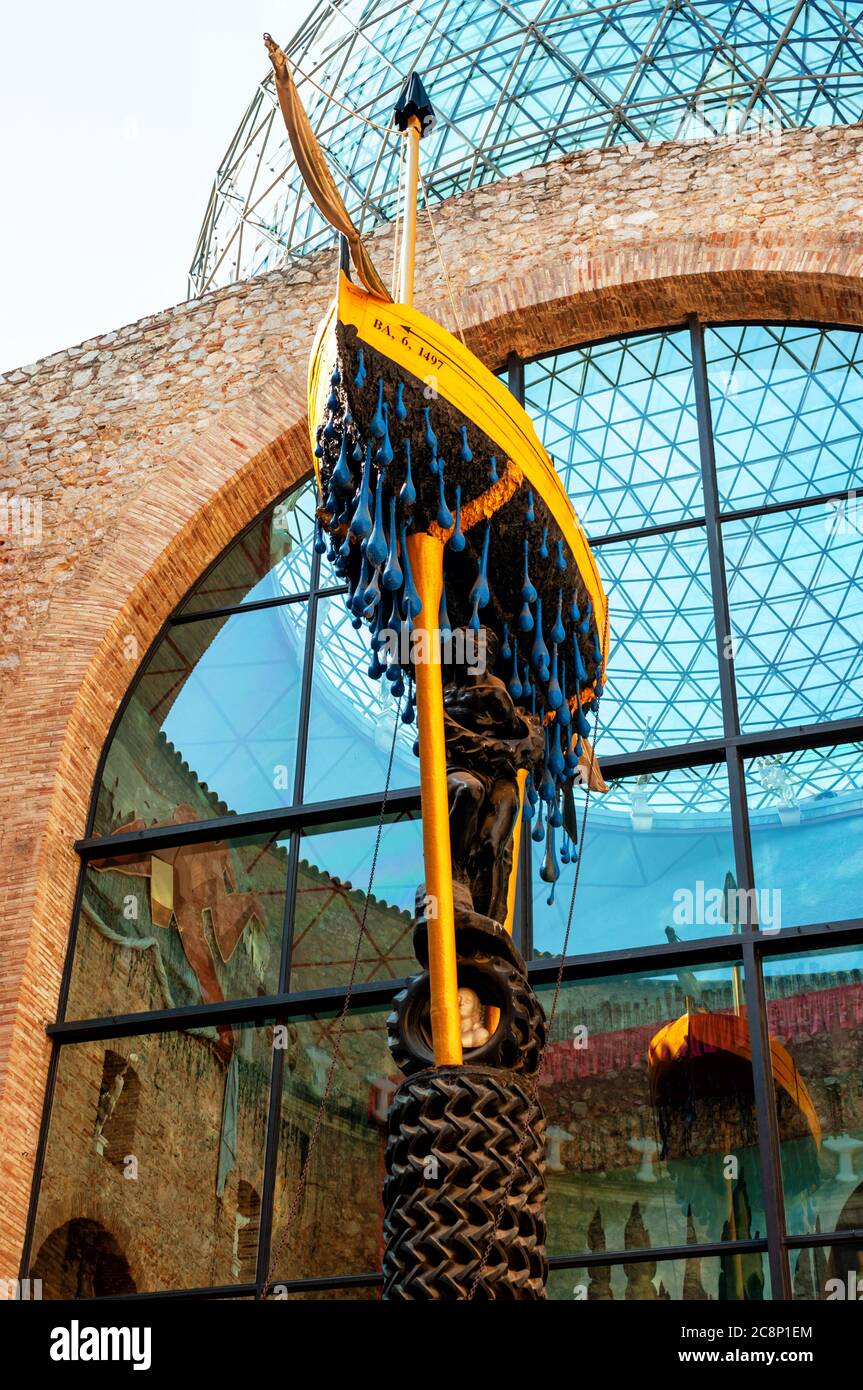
515, 85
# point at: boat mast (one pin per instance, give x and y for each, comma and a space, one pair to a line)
414, 117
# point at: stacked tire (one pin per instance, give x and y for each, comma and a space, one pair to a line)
464, 1195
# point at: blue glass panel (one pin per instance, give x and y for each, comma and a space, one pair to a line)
815, 1016
806, 815
272, 560
663, 681
795, 588
656, 854
333, 882
352, 717
787, 407
619, 421
211, 727
646, 1095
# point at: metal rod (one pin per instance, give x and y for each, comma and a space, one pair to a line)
425, 554
409, 227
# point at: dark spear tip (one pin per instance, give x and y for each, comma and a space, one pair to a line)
414, 101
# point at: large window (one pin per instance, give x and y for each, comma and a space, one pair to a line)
225, 876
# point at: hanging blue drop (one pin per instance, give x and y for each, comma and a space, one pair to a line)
525, 618
538, 832
361, 523
574, 612
550, 869
430, 439
408, 494
392, 575
527, 688
543, 549
320, 543
408, 711
457, 541
376, 545
398, 686
400, 407
530, 790
578, 660
410, 598
444, 515
330, 431
558, 632
514, 686
556, 818
464, 452
546, 785
479, 594
530, 515
492, 470
559, 560
581, 723
528, 592
372, 595
506, 649
384, 455
564, 850
378, 423
539, 658
374, 669
332, 399
358, 597
342, 476
554, 694
584, 625
360, 378
443, 618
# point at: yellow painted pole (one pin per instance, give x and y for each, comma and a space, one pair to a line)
426, 560
409, 230
521, 778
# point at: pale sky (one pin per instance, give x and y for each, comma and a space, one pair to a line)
113, 118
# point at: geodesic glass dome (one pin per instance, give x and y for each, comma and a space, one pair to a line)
514, 85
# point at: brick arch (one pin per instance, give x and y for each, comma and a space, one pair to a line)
722, 277
69, 688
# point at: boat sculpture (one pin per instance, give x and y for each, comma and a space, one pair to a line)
443, 514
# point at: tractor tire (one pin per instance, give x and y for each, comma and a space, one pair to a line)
457, 1136
516, 1043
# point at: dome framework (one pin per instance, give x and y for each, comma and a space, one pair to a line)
515, 85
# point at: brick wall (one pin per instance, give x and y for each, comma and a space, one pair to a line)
149, 447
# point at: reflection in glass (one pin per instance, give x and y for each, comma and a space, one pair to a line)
658, 851
272, 560
795, 588
154, 1163
663, 679
725, 1278
815, 1008
338, 1226
193, 925
211, 727
786, 409
806, 809
352, 717
648, 1096
331, 897
619, 421
828, 1273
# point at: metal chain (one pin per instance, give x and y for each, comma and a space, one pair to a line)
299, 1191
